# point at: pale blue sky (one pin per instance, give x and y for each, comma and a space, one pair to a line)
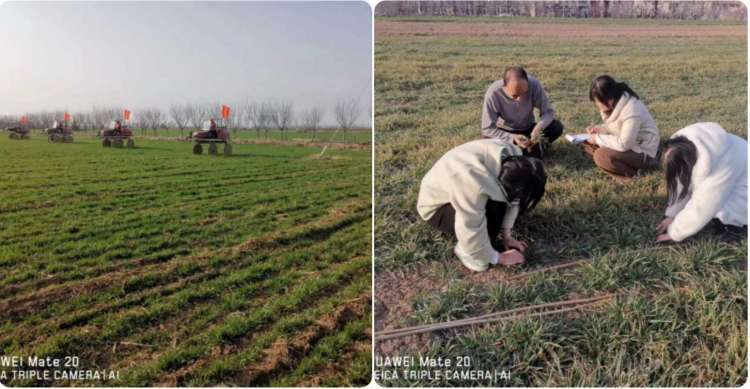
73, 55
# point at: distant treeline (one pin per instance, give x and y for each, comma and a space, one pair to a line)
688, 10
257, 116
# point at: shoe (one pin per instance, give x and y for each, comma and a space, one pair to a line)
470, 263
725, 232
733, 234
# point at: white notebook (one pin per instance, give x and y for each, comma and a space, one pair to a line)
577, 138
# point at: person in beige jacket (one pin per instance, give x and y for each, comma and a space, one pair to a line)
628, 140
475, 190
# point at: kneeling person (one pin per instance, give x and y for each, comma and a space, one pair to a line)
476, 190
706, 172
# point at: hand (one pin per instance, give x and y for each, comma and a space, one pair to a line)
510, 257
663, 238
511, 243
522, 141
591, 140
664, 225
536, 135
593, 130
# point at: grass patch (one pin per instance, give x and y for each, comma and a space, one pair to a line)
681, 317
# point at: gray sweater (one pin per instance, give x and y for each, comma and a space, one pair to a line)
500, 111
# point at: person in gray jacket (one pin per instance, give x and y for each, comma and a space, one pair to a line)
508, 113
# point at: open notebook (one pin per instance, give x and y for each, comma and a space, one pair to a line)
577, 138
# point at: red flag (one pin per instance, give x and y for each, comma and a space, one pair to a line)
24, 120
126, 114
224, 111
66, 117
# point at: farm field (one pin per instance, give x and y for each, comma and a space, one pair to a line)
672, 316
353, 136
177, 269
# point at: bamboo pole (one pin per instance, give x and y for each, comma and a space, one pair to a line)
533, 310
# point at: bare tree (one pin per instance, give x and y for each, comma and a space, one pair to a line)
88, 119
154, 119
195, 114
236, 116
282, 115
178, 113
79, 121
346, 112
256, 116
144, 119
9, 121
266, 113
213, 111
141, 120
712, 10
310, 120
101, 116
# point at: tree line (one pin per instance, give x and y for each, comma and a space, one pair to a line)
254, 116
689, 10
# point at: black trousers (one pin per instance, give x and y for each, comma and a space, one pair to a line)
444, 220
552, 132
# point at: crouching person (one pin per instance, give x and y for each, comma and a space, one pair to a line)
628, 140
706, 174
474, 192
508, 113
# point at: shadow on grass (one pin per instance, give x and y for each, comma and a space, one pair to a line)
569, 156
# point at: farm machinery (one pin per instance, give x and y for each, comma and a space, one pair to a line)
60, 132
117, 135
21, 131
212, 134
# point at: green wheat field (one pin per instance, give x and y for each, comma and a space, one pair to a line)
177, 269
679, 317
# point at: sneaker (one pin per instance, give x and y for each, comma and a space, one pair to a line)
733, 234
470, 263
725, 232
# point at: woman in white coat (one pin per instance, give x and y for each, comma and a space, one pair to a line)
706, 174
628, 140
474, 192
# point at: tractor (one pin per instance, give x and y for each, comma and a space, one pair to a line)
20, 132
60, 132
211, 134
117, 135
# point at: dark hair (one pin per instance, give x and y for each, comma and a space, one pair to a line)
605, 88
678, 156
523, 179
516, 72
